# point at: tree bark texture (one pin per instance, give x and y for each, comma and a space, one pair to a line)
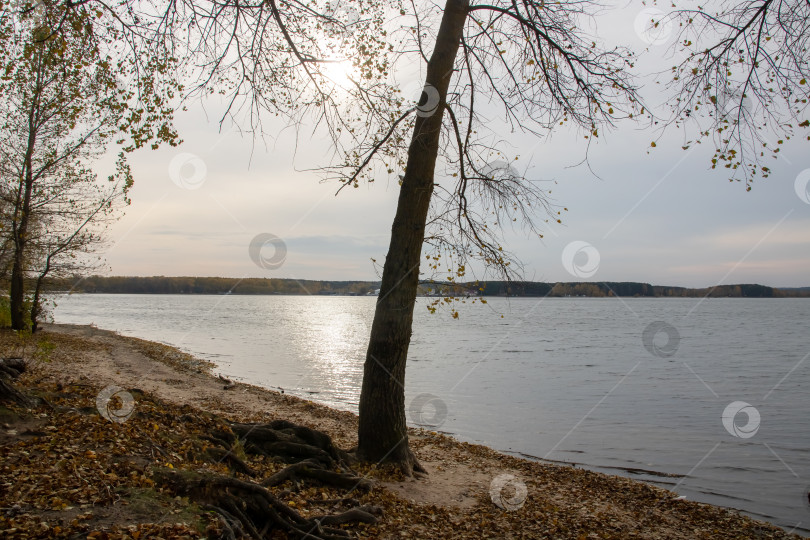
382, 431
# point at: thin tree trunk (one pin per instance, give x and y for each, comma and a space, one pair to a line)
382, 431
22, 217
17, 293
20, 232
35, 303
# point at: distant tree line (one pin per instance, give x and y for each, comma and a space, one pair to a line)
209, 285
633, 289
221, 285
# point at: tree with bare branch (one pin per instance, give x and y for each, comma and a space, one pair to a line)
62, 104
743, 79
527, 62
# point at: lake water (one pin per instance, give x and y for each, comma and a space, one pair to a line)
708, 398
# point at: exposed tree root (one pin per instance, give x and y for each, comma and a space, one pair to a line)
412, 467
401, 458
313, 470
10, 394
234, 463
11, 368
246, 508
361, 514
250, 509
289, 442
351, 501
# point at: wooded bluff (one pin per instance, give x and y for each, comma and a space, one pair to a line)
221, 285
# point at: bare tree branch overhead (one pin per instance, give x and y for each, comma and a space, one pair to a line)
743, 79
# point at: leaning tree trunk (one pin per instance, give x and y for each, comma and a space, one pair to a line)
382, 432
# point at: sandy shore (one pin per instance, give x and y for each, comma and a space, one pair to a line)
456, 499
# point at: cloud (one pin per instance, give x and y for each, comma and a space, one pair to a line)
795, 234
660, 216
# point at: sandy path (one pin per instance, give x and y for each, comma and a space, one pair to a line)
131, 363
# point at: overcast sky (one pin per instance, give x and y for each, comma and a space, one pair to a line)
653, 215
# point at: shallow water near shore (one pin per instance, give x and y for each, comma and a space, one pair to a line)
563, 379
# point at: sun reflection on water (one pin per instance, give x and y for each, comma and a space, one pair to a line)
333, 337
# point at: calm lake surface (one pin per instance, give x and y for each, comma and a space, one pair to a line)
564, 379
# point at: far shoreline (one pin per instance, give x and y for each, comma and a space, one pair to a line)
430, 288
97, 293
